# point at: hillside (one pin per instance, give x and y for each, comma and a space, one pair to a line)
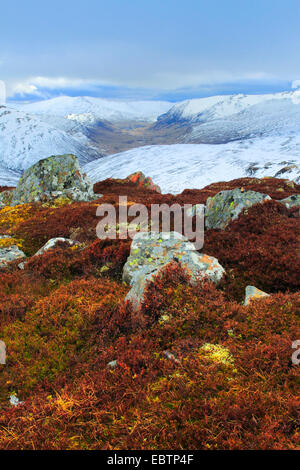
175, 167
115, 126
194, 368
221, 119
89, 109
25, 139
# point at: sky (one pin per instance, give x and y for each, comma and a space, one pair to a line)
148, 49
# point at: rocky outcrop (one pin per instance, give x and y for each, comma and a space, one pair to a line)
152, 251
9, 254
142, 181
54, 177
291, 201
226, 206
252, 293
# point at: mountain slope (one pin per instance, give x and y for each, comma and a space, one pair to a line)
8, 177
25, 139
87, 109
176, 167
221, 119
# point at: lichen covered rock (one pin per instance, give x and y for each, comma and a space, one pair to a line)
9, 254
152, 251
142, 181
226, 206
54, 177
252, 293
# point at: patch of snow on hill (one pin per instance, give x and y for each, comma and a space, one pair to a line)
177, 167
9, 177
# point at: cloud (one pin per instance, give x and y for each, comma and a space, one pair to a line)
24, 89
36, 85
173, 87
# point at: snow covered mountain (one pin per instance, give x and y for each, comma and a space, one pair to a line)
25, 139
177, 167
210, 139
88, 110
8, 177
221, 119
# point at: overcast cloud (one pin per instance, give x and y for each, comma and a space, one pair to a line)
148, 48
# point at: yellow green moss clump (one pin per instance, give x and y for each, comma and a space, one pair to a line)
217, 353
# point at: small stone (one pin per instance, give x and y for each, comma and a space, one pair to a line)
112, 364
14, 400
170, 356
252, 293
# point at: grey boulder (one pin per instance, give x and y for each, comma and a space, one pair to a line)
50, 178
10, 254
152, 251
226, 206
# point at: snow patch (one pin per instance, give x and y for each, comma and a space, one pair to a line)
177, 167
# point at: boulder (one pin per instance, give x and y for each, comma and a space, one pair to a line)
226, 206
54, 177
152, 251
142, 181
112, 364
252, 293
53, 243
291, 201
10, 254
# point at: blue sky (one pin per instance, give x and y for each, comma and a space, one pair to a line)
159, 49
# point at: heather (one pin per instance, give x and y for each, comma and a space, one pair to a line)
195, 368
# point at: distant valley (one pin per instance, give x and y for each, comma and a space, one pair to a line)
191, 142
